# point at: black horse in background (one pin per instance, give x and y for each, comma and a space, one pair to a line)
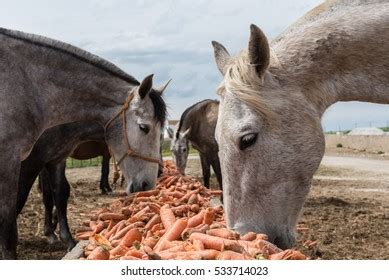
93, 149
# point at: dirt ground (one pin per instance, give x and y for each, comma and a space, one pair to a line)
347, 211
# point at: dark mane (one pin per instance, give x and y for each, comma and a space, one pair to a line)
159, 107
186, 112
70, 50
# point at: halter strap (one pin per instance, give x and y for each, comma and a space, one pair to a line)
130, 152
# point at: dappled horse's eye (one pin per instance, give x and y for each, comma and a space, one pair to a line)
144, 128
247, 140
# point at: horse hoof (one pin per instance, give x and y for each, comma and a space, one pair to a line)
52, 238
71, 245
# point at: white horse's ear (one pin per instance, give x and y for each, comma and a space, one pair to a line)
222, 56
185, 133
161, 89
259, 50
170, 132
145, 86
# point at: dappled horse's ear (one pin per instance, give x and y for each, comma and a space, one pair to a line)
161, 89
170, 132
146, 86
222, 56
259, 50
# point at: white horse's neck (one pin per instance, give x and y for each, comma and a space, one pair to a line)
338, 57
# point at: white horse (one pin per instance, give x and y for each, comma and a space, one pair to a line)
272, 99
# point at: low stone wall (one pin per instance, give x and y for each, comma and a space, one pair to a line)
370, 143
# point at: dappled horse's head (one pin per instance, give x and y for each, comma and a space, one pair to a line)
270, 142
179, 146
143, 120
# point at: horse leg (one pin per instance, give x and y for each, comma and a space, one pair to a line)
47, 196
216, 168
61, 191
24, 189
104, 181
9, 174
206, 170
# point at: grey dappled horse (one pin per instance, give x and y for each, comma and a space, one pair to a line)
44, 83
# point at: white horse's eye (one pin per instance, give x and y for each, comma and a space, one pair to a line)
247, 140
144, 128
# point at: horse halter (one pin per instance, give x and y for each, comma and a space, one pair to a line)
130, 152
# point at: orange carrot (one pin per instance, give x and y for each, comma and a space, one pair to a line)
110, 226
135, 218
223, 233
214, 242
119, 250
111, 216
132, 258
172, 233
205, 254
131, 236
192, 199
261, 236
215, 192
250, 236
147, 193
209, 216
188, 231
120, 225
135, 253
167, 216
196, 220
288, 255
123, 231
231, 255
150, 241
156, 227
195, 208
198, 245
156, 219
84, 235
99, 253
267, 247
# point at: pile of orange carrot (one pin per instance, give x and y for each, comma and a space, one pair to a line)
176, 220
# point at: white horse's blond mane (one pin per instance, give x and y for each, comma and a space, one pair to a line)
242, 80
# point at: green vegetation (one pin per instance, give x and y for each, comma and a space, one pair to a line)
339, 145
75, 163
380, 152
386, 129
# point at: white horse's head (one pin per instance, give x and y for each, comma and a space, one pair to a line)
134, 136
270, 142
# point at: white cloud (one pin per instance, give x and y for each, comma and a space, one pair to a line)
169, 38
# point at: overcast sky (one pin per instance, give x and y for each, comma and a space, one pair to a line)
172, 40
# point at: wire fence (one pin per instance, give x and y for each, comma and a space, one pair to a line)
75, 163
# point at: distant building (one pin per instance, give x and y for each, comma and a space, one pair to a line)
172, 123
367, 131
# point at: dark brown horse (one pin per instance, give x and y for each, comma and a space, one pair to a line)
197, 127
